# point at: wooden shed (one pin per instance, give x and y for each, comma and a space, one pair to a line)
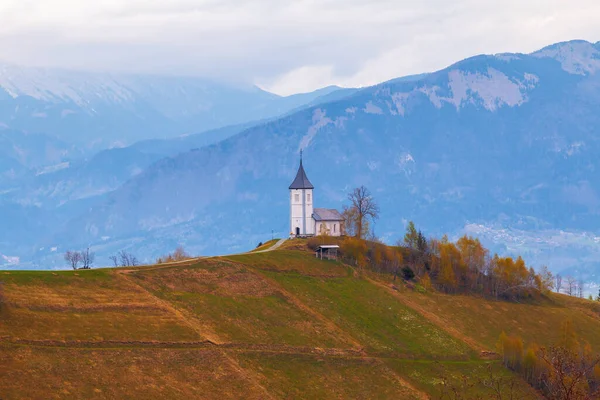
327, 251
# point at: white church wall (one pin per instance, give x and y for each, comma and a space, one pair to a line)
330, 228
301, 199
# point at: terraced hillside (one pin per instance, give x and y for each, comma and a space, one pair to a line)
278, 324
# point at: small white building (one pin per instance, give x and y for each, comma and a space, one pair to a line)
305, 220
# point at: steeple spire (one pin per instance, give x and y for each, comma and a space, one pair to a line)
301, 181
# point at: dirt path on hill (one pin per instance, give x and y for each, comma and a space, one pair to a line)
274, 247
434, 319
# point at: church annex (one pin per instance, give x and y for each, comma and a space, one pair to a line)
305, 220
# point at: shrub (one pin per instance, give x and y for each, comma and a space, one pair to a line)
407, 273
259, 244
178, 255
313, 243
354, 251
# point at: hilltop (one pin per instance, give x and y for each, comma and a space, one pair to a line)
274, 324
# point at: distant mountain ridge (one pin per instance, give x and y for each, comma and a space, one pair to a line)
101, 110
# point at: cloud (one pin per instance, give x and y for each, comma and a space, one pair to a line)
284, 46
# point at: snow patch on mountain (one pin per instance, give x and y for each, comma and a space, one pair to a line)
319, 120
58, 85
371, 108
495, 89
507, 57
400, 100
578, 57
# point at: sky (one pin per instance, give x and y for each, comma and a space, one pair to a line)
284, 46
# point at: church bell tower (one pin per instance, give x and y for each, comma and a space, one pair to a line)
301, 204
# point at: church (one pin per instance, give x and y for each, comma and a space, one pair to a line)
306, 220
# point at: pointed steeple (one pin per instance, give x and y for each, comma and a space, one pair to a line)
301, 181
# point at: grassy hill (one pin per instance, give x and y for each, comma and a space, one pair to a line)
278, 324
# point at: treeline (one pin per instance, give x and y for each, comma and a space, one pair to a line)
464, 266
568, 370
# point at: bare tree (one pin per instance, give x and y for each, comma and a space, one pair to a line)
569, 373
114, 260
559, 279
580, 288
127, 259
571, 286
365, 208
87, 258
73, 258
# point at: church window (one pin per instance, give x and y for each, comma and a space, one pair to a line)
308, 197
296, 197
334, 225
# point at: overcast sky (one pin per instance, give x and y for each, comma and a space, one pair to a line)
286, 46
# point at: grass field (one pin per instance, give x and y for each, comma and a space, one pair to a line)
278, 324
533, 322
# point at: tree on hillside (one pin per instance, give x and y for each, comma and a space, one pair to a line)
73, 258
571, 286
127, 259
124, 259
87, 258
546, 279
559, 280
362, 209
349, 216
580, 288
411, 237
178, 255
114, 260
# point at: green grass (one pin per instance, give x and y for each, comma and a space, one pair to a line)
291, 261
94, 276
377, 319
436, 378
484, 320
260, 320
310, 377
237, 305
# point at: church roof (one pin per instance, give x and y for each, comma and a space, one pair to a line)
327, 214
301, 181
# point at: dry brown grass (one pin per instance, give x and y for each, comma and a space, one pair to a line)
48, 373
208, 277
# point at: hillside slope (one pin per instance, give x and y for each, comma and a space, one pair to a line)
279, 324
501, 144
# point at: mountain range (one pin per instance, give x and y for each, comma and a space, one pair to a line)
503, 146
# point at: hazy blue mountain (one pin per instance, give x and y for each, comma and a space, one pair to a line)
101, 173
505, 146
24, 154
100, 110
